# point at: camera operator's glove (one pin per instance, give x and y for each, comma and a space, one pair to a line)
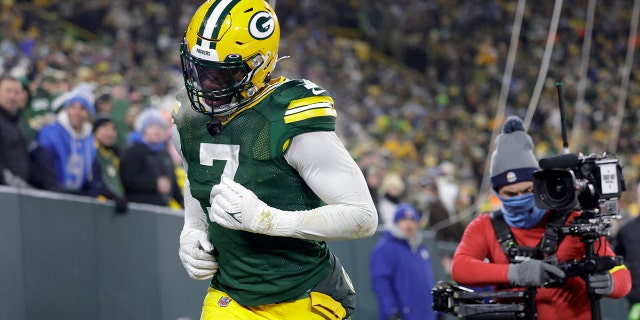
195, 251
533, 273
601, 283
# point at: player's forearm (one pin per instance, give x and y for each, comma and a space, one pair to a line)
330, 222
328, 169
193, 213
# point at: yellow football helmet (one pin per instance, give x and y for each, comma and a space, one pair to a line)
228, 52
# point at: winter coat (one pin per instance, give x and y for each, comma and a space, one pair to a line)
13, 147
141, 165
73, 154
402, 278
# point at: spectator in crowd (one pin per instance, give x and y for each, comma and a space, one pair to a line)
146, 168
14, 157
447, 186
262, 153
626, 244
107, 163
24, 97
41, 111
369, 164
24, 100
401, 270
435, 217
121, 109
391, 191
104, 105
517, 259
66, 147
435, 214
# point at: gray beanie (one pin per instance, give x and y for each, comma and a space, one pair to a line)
513, 159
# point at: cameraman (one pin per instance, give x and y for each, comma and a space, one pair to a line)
480, 259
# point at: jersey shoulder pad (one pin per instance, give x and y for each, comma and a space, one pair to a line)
305, 102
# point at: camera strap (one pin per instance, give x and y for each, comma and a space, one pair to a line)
552, 235
517, 253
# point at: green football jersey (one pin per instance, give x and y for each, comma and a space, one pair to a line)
256, 269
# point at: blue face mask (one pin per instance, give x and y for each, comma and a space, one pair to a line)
521, 211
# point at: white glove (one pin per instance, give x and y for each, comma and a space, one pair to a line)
236, 207
195, 251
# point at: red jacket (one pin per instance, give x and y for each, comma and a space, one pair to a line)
570, 301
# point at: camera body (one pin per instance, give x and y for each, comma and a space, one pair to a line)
577, 182
465, 303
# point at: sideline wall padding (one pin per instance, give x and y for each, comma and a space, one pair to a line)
70, 257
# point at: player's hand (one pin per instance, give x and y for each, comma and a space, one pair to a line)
601, 283
236, 207
195, 252
533, 273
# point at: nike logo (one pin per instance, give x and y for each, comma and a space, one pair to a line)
233, 215
317, 91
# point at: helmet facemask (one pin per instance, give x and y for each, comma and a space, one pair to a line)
216, 88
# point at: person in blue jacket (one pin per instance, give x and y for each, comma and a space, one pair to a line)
67, 146
401, 270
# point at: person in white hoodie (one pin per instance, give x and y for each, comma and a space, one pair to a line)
66, 146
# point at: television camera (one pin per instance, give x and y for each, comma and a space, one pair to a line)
591, 185
570, 181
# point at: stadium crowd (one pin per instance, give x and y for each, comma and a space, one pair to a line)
416, 83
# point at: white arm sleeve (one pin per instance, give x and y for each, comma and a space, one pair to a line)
194, 216
325, 165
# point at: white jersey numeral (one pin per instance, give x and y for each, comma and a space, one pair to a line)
229, 153
223, 152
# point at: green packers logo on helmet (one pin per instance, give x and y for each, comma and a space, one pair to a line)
261, 25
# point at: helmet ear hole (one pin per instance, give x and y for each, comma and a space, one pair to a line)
233, 57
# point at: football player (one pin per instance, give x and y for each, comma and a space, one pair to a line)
268, 180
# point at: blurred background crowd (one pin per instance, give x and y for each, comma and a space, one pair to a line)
416, 85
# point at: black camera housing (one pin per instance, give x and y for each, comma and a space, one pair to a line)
465, 303
577, 182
